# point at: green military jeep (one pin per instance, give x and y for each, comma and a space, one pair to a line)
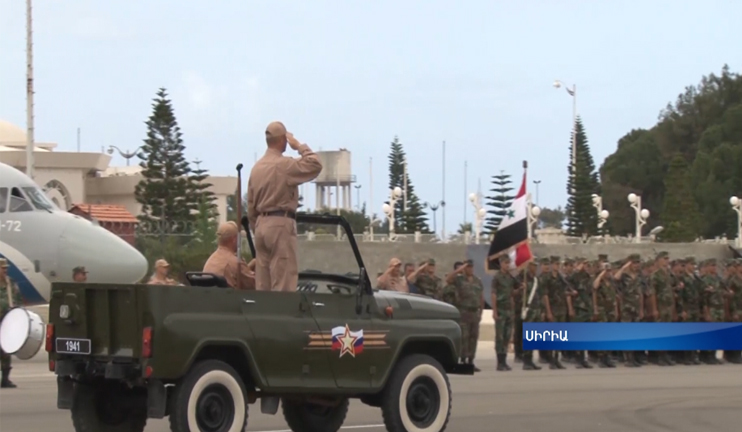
201, 354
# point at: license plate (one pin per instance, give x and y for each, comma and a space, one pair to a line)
73, 346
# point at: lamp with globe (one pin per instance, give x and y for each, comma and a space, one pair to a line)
641, 215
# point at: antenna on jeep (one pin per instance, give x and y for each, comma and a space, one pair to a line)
238, 201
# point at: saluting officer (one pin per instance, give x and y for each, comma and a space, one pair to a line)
272, 200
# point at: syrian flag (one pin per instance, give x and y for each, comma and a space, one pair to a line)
511, 236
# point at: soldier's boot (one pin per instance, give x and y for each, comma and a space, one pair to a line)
662, 359
736, 357
714, 359
5, 381
592, 356
642, 358
528, 363
518, 358
687, 358
581, 362
544, 357
502, 364
671, 359
630, 361
696, 357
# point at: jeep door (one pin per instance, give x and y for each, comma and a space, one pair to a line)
350, 341
282, 323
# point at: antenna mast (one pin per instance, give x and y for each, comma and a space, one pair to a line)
29, 93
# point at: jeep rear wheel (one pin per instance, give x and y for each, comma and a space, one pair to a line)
210, 398
108, 407
417, 397
306, 417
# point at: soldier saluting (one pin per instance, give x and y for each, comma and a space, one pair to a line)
272, 200
10, 297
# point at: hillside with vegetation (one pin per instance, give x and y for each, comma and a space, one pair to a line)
694, 151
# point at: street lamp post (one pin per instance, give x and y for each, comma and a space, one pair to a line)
537, 182
434, 208
572, 92
533, 213
602, 214
641, 215
737, 207
388, 209
124, 154
479, 214
358, 196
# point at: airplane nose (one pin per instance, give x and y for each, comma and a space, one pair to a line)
106, 257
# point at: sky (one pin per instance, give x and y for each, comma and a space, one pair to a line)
354, 74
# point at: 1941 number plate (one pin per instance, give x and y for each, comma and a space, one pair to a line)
73, 346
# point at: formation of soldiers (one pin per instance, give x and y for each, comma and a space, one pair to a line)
460, 288
629, 290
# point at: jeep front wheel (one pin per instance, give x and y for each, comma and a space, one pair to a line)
417, 397
210, 398
306, 417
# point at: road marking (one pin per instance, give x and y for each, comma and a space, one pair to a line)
343, 427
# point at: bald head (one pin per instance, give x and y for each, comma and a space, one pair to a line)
275, 135
227, 235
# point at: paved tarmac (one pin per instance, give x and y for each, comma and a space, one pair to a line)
677, 399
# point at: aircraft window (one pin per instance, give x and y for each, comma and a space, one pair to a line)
3, 199
38, 198
18, 202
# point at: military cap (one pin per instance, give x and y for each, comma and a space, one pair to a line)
545, 261
431, 261
568, 261
555, 259
504, 258
602, 257
579, 259
680, 261
662, 254
711, 261
618, 264
690, 260
469, 262
457, 264
79, 270
227, 229
635, 258
3, 263
161, 263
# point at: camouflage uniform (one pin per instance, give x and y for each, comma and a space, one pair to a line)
713, 295
533, 312
518, 321
632, 297
734, 286
429, 284
582, 304
503, 285
661, 288
468, 293
606, 305
8, 291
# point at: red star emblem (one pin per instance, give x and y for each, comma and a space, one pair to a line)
347, 343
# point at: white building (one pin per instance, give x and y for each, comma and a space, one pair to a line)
79, 177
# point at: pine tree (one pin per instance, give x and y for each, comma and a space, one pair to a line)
499, 201
414, 218
165, 192
582, 216
201, 197
680, 214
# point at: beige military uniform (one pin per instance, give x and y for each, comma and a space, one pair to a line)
156, 279
393, 283
224, 263
272, 200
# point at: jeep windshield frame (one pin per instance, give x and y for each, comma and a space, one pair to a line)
330, 220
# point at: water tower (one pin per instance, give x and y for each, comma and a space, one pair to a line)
335, 180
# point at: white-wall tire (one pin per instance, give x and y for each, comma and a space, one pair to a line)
209, 380
417, 376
